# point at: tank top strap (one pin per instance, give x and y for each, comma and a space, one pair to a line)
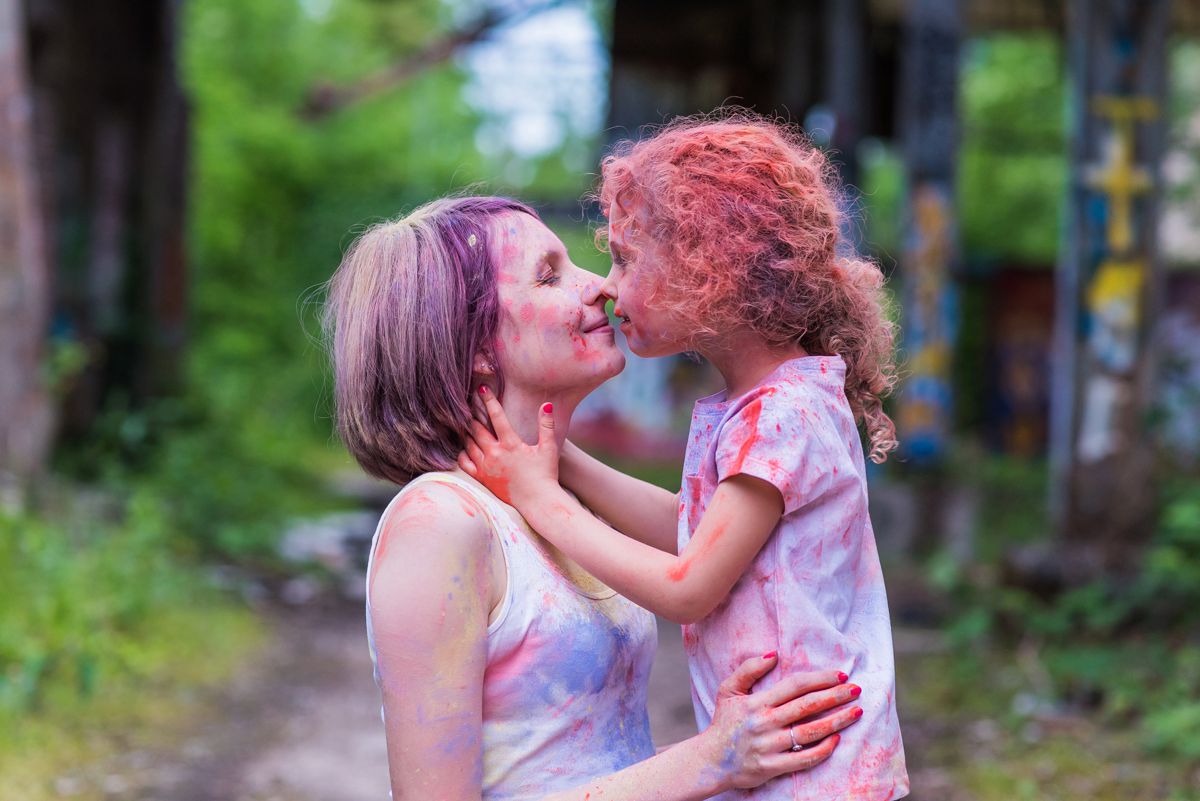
505, 528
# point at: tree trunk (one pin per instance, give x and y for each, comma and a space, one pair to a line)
25, 409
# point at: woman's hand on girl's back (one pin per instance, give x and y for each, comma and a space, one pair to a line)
749, 733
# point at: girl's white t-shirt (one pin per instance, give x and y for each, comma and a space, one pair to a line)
815, 591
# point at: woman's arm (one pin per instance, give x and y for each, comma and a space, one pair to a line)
684, 588
431, 652
634, 507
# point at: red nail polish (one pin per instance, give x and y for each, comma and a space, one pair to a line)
547, 408
842, 677
770, 654
482, 389
858, 713
855, 691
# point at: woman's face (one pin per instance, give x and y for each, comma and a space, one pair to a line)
631, 283
554, 333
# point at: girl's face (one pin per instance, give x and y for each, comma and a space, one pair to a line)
632, 281
554, 334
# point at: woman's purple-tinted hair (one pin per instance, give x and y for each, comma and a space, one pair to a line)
412, 303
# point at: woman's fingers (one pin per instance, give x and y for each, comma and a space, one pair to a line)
814, 703
747, 673
791, 761
815, 730
504, 431
467, 465
799, 684
480, 432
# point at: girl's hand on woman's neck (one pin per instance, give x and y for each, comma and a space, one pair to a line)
523, 407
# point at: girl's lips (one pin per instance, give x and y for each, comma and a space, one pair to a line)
601, 329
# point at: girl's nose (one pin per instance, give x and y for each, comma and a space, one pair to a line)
608, 287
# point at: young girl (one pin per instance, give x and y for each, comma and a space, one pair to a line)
724, 238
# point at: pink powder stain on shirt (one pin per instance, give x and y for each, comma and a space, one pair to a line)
822, 613
753, 413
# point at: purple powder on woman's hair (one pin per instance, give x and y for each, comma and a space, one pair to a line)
412, 303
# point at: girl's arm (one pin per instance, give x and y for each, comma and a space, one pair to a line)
431, 652
634, 507
684, 587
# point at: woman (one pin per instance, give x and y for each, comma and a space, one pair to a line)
506, 671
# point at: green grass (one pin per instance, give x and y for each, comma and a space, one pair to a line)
107, 634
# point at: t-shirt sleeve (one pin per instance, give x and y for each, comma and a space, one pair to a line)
773, 438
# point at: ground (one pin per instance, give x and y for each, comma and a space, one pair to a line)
302, 724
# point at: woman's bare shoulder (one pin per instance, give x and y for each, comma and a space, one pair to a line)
437, 514
431, 536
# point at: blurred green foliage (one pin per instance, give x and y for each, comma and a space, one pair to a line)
1012, 166
1126, 645
107, 621
1013, 159
212, 474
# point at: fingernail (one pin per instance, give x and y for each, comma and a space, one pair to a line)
482, 389
858, 713
855, 691
770, 654
547, 408
842, 677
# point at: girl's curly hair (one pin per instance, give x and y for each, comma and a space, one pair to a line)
746, 209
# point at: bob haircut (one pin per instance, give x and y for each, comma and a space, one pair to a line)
412, 303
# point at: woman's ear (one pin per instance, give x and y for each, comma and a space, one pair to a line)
483, 364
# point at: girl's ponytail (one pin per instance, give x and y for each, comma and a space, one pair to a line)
856, 325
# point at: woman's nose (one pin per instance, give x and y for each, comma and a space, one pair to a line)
589, 290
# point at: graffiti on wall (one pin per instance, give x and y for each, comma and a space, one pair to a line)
930, 312
1114, 292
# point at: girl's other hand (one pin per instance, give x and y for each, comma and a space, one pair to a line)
750, 731
512, 470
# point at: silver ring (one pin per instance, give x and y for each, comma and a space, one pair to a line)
795, 745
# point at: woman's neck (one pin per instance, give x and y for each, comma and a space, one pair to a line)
744, 360
524, 408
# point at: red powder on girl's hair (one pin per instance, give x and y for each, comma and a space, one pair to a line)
755, 241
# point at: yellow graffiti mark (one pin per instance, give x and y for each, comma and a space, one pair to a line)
933, 359
1119, 178
1116, 282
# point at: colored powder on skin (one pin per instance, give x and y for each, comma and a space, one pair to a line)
681, 567
498, 485
526, 313
467, 510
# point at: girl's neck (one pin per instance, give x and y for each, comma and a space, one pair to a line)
744, 360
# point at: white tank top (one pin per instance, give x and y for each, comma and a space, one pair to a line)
564, 691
